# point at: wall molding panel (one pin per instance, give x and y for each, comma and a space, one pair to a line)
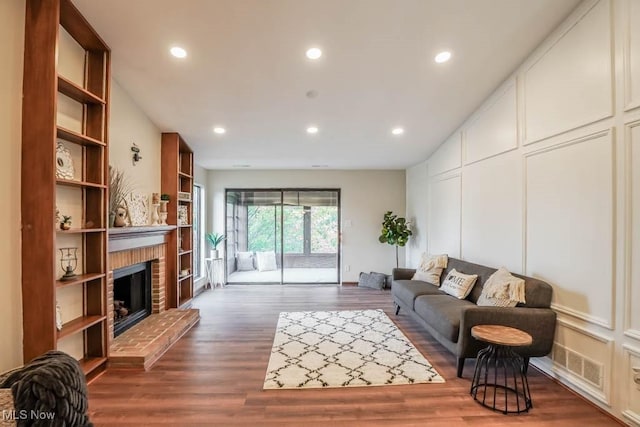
561, 183
576, 71
494, 130
632, 215
631, 45
448, 156
446, 236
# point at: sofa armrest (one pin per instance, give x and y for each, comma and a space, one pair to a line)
540, 323
403, 273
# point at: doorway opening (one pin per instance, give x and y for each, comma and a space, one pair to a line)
283, 236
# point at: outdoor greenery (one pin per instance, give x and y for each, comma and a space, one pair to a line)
264, 229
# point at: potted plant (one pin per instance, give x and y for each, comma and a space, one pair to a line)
214, 240
65, 224
395, 231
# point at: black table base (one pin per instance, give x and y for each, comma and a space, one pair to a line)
499, 381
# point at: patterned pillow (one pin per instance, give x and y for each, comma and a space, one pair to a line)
244, 261
458, 284
430, 268
372, 280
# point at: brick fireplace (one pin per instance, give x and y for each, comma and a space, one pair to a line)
145, 342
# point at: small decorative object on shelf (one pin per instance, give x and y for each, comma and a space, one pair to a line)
121, 217
214, 240
65, 224
58, 317
184, 272
119, 188
64, 162
183, 215
57, 220
137, 207
68, 262
164, 200
184, 196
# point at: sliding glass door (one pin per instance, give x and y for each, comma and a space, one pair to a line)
282, 236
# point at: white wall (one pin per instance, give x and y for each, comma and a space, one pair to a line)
365, 197
200, 178
12, 48
543, 179
417, 202
129, 124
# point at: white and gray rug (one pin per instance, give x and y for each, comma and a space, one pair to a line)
317, 349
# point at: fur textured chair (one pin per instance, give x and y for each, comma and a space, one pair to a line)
51, 390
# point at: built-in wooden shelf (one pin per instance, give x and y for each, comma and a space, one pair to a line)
80, 278
80, 230
185, 226
89, 364
73, 91
184, 175
181, 278
79, 324
78, 138
74, 183
184, 201
186, 252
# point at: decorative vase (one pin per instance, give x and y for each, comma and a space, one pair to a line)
213, 253
112, 219
65, 225
163, 205
163, 218
154, 214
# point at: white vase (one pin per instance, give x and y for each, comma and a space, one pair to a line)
154, 214
213, 254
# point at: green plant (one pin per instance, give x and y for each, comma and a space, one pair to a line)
395, 231
66, 219
164, 196
215, 239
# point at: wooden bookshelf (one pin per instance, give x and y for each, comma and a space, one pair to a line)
42, 190
177, 176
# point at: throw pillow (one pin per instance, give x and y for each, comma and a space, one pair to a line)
458, 285
266, 261
430, 268
372, 280
502, 289
244, 261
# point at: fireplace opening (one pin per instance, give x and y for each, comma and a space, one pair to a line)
131, 296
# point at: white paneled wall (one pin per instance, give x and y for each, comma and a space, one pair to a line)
444, 215
544, 178
570, 85
417, 202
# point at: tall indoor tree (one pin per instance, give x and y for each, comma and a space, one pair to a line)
395, 231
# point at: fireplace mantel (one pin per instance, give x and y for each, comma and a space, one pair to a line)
126, 238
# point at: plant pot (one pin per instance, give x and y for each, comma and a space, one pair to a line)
213, 253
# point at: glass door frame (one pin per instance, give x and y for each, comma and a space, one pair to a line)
282, 191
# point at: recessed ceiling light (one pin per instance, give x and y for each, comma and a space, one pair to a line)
442, 57
219, 130
178, 52
314, 53
312, 129
397, 131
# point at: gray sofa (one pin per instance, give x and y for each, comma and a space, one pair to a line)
449, 320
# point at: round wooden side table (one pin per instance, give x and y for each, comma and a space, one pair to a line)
500, 380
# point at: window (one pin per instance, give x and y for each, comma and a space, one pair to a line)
198, 230
324, 229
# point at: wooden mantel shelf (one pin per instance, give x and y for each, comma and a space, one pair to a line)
126, 238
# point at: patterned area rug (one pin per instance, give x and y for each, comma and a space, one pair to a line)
316, 349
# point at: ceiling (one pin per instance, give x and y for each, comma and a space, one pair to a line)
246, 70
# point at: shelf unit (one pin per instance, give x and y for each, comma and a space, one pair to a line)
42, 190
177, 176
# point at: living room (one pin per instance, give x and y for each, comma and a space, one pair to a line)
533, 168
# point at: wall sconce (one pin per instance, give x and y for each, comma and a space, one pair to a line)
136, 153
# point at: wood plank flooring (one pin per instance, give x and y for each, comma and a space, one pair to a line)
214, 375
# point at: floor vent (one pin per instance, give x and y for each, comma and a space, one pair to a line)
578, 364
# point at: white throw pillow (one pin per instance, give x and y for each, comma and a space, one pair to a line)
244, 261
502, 289
266, 261
458, 284
430, 268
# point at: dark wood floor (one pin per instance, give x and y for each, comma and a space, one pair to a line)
214, 375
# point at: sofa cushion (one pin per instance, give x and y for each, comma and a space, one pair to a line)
442, 313
407, 290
